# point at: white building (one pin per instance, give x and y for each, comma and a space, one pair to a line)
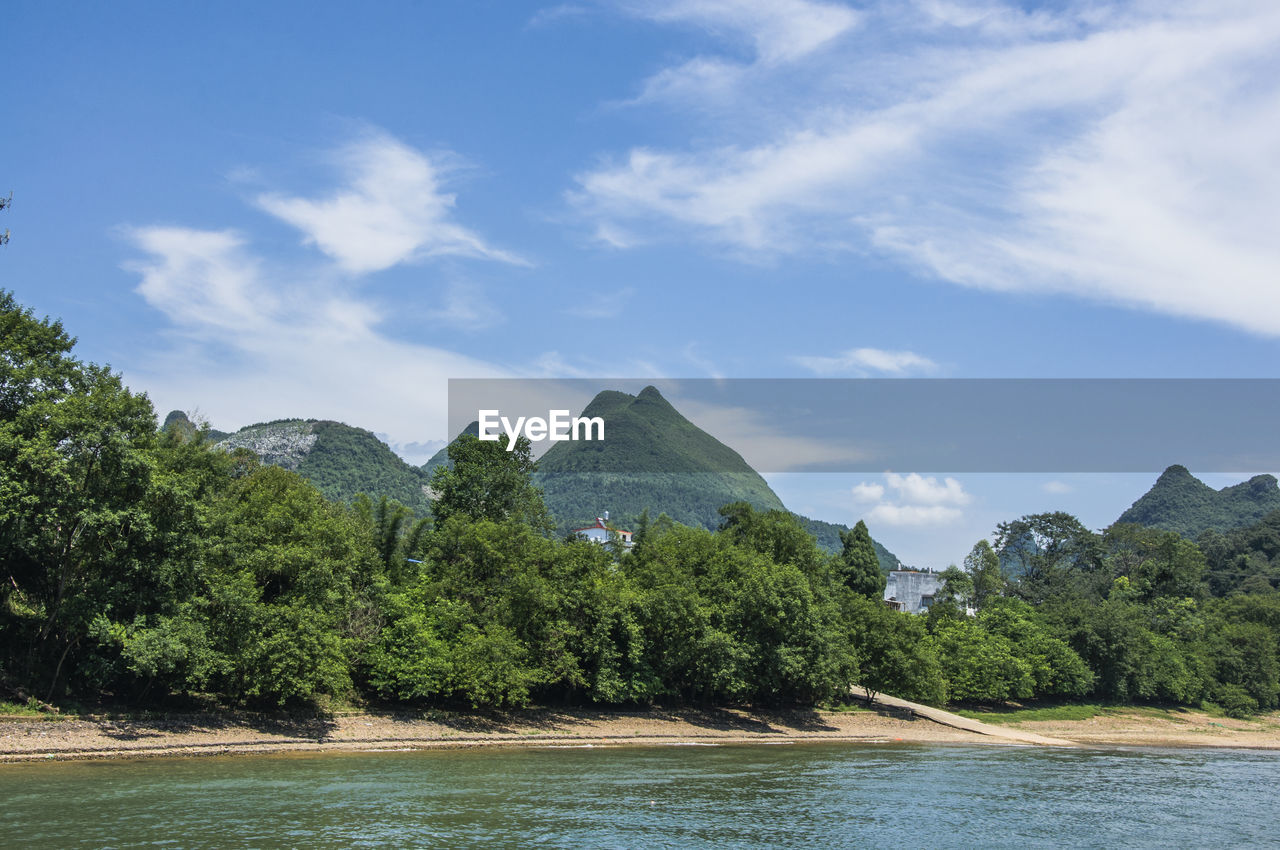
599, 532
912, 591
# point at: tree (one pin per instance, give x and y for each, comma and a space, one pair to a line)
894, 652
1157, 563
983, 566
77, 535
486, 481
859, 566
1048, 553
396, 535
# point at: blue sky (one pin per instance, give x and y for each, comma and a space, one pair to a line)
267, 210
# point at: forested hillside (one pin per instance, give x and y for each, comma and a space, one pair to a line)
1183, 503
341, 461
654, 459
144, 567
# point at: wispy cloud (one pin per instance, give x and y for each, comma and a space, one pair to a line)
777, 30
251, 346
866, 361
1123, 154
465, 306
391, 209
601, 304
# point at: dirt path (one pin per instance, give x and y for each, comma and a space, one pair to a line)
955, 721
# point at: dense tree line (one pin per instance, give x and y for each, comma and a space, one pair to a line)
141, 565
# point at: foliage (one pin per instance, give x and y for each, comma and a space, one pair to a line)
341, 461
489, 480
142, 564
1181, 503
895, 654
859, 566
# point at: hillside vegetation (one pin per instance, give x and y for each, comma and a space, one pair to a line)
143, 567
1182, 503
341, 461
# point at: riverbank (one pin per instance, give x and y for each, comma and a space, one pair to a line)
24, 739
141, 736
1155, 727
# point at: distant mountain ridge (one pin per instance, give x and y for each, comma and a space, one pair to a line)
652, 457
338, 459
1183, 503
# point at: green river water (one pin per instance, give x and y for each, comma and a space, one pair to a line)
728, 796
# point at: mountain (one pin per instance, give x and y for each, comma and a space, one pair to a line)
1183, 503
179, 420
338, 459
654, 458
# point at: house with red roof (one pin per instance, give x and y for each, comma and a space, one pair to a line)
601, 530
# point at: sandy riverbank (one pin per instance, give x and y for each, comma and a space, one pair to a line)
1172, 728
25, 739
91, 737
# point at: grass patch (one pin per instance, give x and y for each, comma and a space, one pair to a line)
1021, 714
1014, 713
27, 710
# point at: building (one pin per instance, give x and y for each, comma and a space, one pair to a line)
912, 591
601, 530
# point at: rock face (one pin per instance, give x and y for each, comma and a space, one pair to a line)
341, 461
283, 444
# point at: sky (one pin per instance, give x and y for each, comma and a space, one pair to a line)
266, 210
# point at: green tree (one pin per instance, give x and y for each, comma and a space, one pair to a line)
859, 567
983, 566
486, 481
895, 655
980, 666
1051, 554
1157, 563
77, 535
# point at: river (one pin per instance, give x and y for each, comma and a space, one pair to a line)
810, 796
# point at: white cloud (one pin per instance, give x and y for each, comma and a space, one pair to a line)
202, 279
250, 346
917, 490
865, 491
917, 500
1122, 154
778, 30
1056, 487
862, 361
391, 210
890, 514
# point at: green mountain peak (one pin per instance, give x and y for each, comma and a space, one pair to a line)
1183, 503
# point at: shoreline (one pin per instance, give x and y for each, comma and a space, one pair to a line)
29, 739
